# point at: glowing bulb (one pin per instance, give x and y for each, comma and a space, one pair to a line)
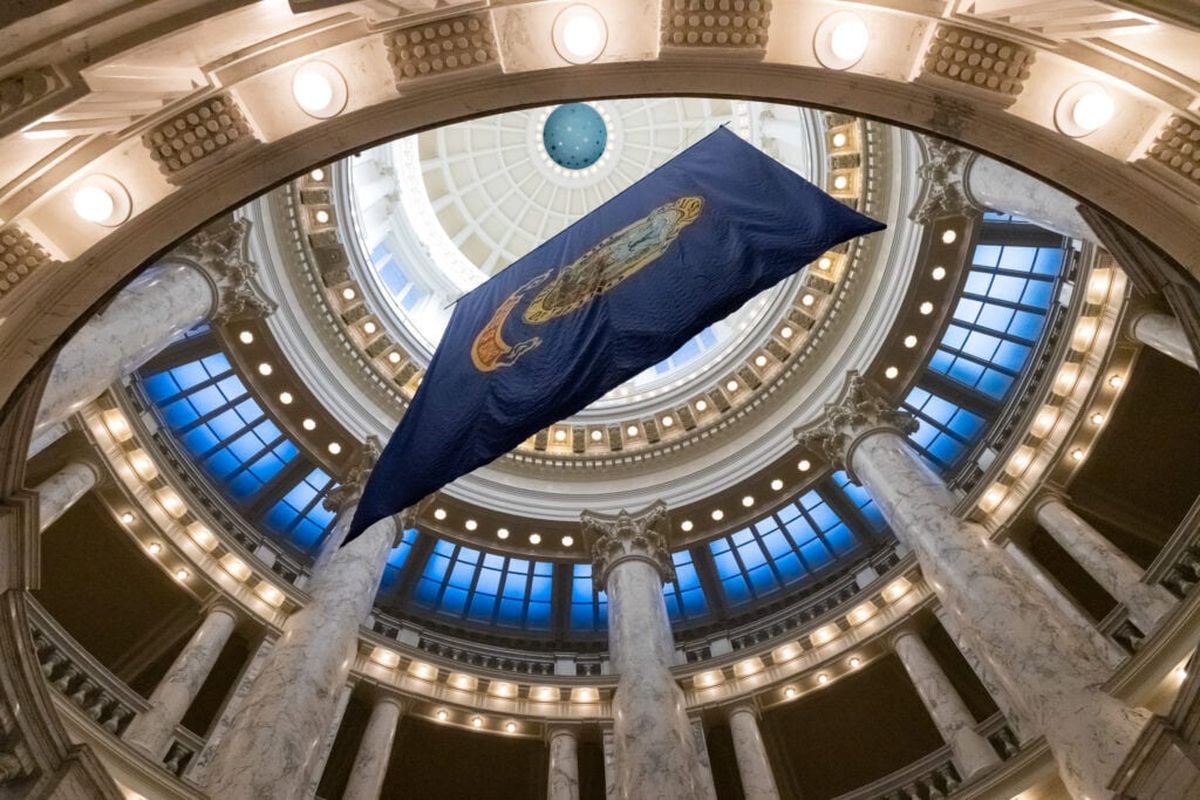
747, 501
949, 236
1097, 418
535, 538
246, 337
760, 361
926, 308
822, 679
560, 435
334, 448
322, 216
93, 204
394, 357
567, 541
580, 34
686, 525
285, 398
839, 139
1116, 381
309, 424
442, 715
265, 369
1077, 454
470, 524
849, 38
1093, 109
668, 421
717, 515
938, 273
824, 263
317, 174
182, 574
701, 405
597, 436
910, 341
890, 373
855, 662
155, 548
319, 89
369, 327
510, 727
776, 485
477, 722
502, 533
804, 466
732, 386
631, 431
807, 300
127, 518
786, 332
439, 513
789, 692
348, 293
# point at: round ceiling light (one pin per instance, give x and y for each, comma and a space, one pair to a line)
1084, 108
101, 200
319, 90
841, 40
580, 34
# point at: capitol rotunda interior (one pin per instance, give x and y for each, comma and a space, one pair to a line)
920, 521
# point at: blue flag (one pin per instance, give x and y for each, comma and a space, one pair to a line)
616, 292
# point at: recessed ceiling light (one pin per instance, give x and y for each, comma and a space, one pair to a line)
855, 662
567, 541
477, 722
938, 273
701, 405
732, 386
265, 369
822, 679
1097, 418
824, 262
807, 300
246, 337
510, 727
839, 139
502, 533
686, 525
535, 538
890, 373
560, 435
597, 436
579, 34
319, 89
369, 327
805, 465
748, 501
322, 216
631, 431
717, 515
439, 513
334, 448
470, 524
1084, 108
182, 574
789, 692
776, 484
317, 174
841, 40
1077, 454
949, 236
910, 341
442, 715
101, 200
760, 361
127, 518
348, 293
309, 424
668, 421
926, 308
841, 182
1116, 381
155, 548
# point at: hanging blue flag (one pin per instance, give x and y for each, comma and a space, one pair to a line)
616, 292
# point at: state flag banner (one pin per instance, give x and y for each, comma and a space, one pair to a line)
611, 295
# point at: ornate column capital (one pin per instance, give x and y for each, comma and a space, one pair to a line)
640, 536
860, 411
943, 181
350, 488
222, 256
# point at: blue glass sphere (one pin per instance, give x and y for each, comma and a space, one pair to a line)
575, 136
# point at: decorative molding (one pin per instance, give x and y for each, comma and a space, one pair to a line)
222, 254
213, 127
963, 57
642, 535
862, 409
741, 24
20, 257
350, 489
442, 47
943, 176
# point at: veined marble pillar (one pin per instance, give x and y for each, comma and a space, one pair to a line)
206, 277
198, 767
151, 730
707, 786
653, 740
991, 184
64, 489
46, 437
317, 769
758, 782
1043, 661
1165, 334
563, 781
1066, 606
273, 740
610, 764
1107, 565
949, 713
374, 751
1024, 730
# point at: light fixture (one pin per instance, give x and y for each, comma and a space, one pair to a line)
789, 692
841, 40
317, 174
760, 361
926, 308
841, 182
748, 501
668, 421
442, 715
470, 524
855, 662
202, 536
322, 216
580, 34
101, 200
824, 263
334, 448
567, 541
319, 89
597, 436
717, 515
348, 293
265, 369
535, 538
155, 548
1077, 454
246, 337
805, 465
510, 727
839, 139
560, 435
1116, 381
117, 424
182, 574
786, 332
701, 405
385, 657
938, 273
394, 357
369, 327
439, 513
269, 594
732, 386
309, 424
949, 236
235, 566
822, 679
686, 525
1097, 418
890, 373
631, 431
776, 485
502, 533
143, 465
807, 299
910, 341
1083, 108
285, 398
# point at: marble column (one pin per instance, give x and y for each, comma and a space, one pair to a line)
653, 739
374, 751
46, 437
991, 184
207, 277
316, 769
1024, 730
151, 730
1063, 602
563, 781
707, 786
758, 782
972, 753
1044, 662
273, 740
198, 767
1165, 334
610, 764
64, 489
1107, 565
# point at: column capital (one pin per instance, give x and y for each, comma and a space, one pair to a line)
943, 181
901, 631
350, 488
1047, 496
640, 536
222, 256
222, 606
860, 411
562, 729
745, 706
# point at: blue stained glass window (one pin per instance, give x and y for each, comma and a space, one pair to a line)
211, 413
787, 546
859, 496
396, 559
589, 606
944, 429
487, 588
685, 595
300, 515
999, 316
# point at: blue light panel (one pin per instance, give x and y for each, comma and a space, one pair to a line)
999, 316
684, 596
589, 607
300, 515
945, 430
210, 411
785, 547
487, 588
